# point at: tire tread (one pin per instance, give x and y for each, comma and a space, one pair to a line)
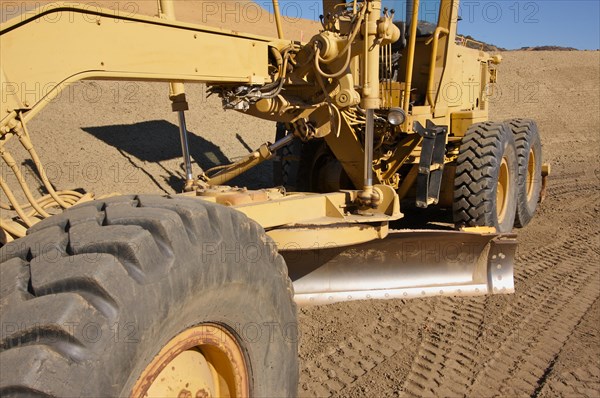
131, 240
474, 197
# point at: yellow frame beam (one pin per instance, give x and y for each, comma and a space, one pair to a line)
61, 44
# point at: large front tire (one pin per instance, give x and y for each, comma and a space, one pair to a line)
485, 184
92, 299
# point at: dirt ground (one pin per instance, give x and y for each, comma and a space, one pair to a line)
542, 341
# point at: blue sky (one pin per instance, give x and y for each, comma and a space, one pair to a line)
505, 23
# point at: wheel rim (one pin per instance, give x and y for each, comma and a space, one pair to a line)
502, 190
201, 362
530, 174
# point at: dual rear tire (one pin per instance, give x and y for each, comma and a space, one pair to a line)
498, 175
529, 155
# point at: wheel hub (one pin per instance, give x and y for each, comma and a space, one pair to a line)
502, 190
531, 174
201, 362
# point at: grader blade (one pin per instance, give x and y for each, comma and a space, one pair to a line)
406, 264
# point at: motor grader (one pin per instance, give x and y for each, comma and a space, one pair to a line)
195, 294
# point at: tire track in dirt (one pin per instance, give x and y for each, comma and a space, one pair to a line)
447, 348
576, 373
535, 262
569, 182
448, 353
446, 319
447, 369
568, 188
539, 323
340, 366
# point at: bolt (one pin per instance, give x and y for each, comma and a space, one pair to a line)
202, 393
184, 394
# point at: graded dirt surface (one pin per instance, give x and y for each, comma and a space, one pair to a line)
542, 341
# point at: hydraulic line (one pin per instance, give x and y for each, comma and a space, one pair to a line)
37, 207
46, 201
277, 90
225, 172
13, 201
346, 50
10, 161
5, 225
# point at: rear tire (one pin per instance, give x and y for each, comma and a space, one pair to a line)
529, 154
287, 161
308, 166
90, 297
485, 184
320, 171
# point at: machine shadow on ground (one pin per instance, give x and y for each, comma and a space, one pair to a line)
434, 217
158, 141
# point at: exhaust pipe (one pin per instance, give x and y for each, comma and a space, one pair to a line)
406, 264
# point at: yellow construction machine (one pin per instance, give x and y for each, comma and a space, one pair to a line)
189, 295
